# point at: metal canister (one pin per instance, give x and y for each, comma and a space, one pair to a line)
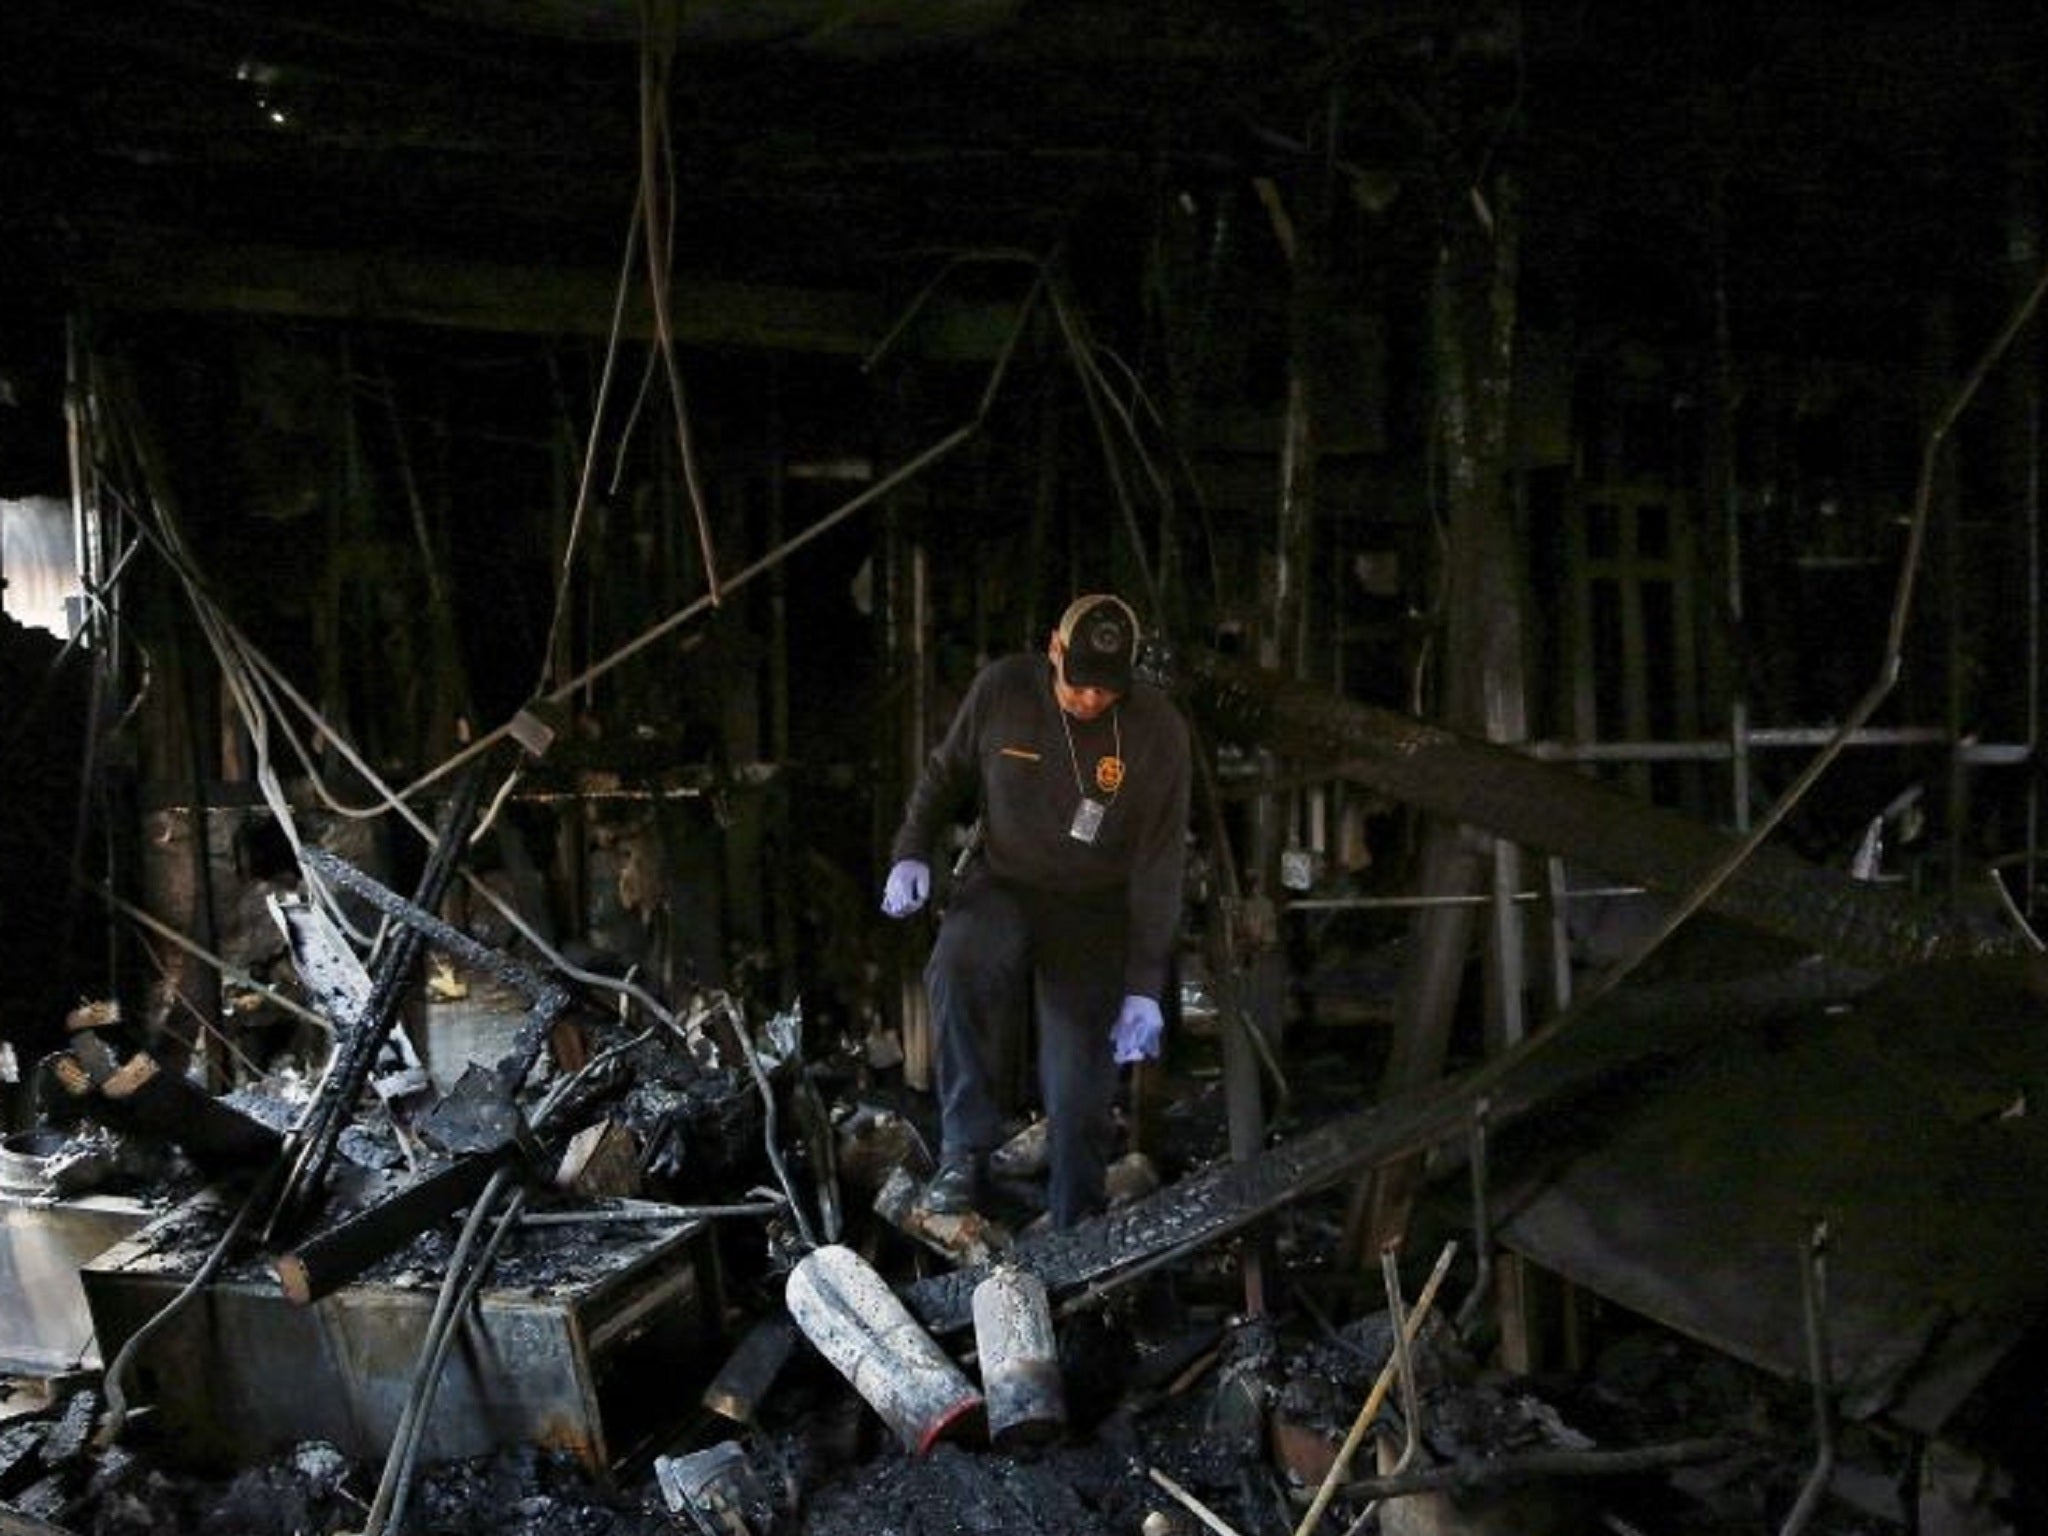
25, 1158
855, 1320
1020, 1365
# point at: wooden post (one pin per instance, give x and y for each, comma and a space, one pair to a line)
1473, 319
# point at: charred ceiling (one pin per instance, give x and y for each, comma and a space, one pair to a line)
831, 144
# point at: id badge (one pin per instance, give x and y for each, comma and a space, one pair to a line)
1087, 820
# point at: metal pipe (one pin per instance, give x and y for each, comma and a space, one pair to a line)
1737, 746
1814, 1296
1404, 1358
1482, 1220
887, 485
1374, 903
672, 1213
1411, 1402
1369, 1410
1739, 739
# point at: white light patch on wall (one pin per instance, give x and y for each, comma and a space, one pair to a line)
40, 562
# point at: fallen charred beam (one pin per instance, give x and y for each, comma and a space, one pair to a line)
493, 1131
140, 1098
312, 1148
1544, 805
547, 998
1204, 1209
1623, 1031
324, 1263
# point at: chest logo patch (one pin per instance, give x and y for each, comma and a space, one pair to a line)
1109, 774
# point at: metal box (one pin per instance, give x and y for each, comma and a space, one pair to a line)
600, 1359
45, 1325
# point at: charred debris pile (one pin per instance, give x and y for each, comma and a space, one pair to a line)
663, 1268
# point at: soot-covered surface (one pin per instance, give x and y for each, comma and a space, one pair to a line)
317, 1492
1082, 1490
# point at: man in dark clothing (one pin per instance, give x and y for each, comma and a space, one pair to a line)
1081, 776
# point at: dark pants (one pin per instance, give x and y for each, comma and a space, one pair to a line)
999, 944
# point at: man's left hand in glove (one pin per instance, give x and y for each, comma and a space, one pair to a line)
1139, 1026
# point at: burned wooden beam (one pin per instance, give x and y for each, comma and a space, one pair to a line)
1202, 1210
547, 998
324, 1263
25, 1517
141, 1097
138, 1097
1548, 806
167, 270
479, 1120
313, 1145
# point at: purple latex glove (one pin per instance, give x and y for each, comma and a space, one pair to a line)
909, 883
1137, 1032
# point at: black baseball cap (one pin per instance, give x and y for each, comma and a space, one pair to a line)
1099, 634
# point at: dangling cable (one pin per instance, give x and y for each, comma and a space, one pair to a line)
597, 415
658, 215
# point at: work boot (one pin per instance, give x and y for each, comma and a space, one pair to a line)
956, 1188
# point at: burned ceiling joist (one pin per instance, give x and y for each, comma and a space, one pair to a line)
127, 270
1554, 808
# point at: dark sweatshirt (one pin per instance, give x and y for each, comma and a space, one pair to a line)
1007, 750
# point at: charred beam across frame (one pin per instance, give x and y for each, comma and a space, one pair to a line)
163, 270
1542, 805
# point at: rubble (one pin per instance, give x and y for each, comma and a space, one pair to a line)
693, 1290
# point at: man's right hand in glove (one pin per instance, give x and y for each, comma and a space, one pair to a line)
909, 883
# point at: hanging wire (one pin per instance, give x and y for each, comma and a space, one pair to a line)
909, 470
230, 649
1079, 353
259, 689
468, 1267
657, 161
114, 1381
206, 1029
597, 415
631, 423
